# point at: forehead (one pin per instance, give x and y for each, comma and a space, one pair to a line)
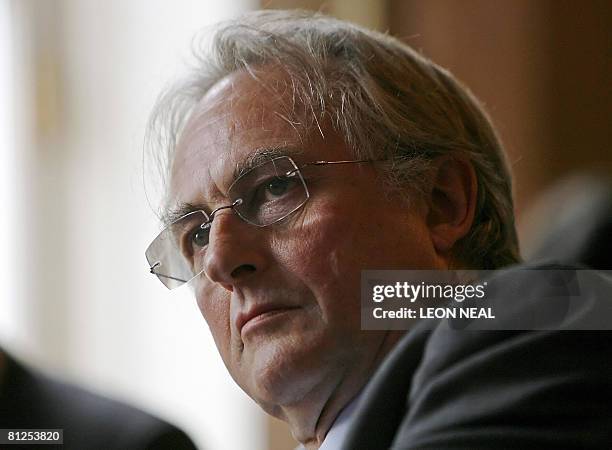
238, 117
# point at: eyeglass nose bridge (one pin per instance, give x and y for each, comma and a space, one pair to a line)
211, 216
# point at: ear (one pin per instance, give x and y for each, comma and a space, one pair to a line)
452, 203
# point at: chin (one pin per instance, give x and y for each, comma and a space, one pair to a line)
281, 376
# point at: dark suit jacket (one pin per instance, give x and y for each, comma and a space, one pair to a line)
448, 389
30, 400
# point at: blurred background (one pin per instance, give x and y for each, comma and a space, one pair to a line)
77, 81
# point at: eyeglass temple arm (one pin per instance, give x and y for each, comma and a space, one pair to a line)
351, 161
324, 163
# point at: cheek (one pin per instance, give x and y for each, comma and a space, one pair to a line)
321, 250
307, 246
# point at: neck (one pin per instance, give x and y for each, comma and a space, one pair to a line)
311, 419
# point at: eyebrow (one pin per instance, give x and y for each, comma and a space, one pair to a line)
255, 158
180, 210
262, 155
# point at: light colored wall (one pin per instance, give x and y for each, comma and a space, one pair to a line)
83, 305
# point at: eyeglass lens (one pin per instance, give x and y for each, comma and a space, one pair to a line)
268, 193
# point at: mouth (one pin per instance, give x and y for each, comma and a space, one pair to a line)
258, 315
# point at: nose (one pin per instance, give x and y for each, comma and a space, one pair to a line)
235, 251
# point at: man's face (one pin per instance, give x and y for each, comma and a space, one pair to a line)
297, 282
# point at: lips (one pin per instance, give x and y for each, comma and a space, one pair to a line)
259, 311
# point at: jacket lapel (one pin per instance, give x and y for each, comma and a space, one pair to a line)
384, 401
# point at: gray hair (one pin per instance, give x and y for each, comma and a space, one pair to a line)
383, 98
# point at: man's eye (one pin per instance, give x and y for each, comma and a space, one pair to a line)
278, 186
199, 236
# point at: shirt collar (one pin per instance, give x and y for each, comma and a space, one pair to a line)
337, 433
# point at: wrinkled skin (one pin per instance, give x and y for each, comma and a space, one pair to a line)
306, 362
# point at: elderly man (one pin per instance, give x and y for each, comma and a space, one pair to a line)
304, 150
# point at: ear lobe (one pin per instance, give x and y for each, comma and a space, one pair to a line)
452, 203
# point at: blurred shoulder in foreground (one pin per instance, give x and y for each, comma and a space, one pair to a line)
31, 400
